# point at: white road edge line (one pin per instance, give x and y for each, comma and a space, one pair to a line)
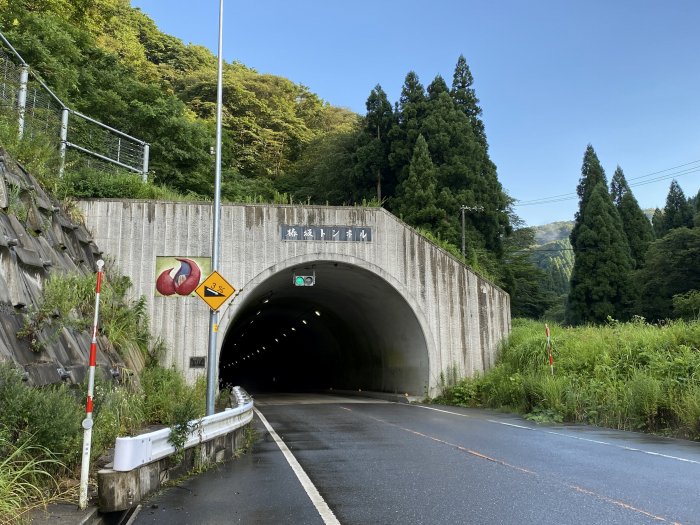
316, 498
623, 447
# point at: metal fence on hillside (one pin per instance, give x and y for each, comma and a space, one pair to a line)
38, 111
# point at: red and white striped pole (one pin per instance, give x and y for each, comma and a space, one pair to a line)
549, 348
87, 422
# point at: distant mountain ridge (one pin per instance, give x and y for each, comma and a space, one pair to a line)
553, 231
553, 254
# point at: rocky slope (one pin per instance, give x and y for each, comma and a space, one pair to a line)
38, 238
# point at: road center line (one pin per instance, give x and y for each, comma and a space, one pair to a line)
575, 488
315, 497
569, 436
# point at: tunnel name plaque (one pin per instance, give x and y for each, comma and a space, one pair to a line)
290, 232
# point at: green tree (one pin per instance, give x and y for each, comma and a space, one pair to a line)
416, 199
592, 174
466, 175
637, 227
522, 279
324, 173
657, 223
618, 186
409, 113
465, 98
600, 280
672, 267
678, 212
372, 166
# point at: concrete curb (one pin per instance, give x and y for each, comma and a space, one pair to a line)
65, 514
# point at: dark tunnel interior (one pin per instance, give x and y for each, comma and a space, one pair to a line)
351, 330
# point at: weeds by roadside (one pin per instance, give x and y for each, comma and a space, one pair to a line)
631, 376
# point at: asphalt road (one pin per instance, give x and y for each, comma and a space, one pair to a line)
385, 463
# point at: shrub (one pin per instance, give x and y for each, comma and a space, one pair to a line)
167, 397
91, 184
47, 418
118, 412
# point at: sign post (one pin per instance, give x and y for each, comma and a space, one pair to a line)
216, 237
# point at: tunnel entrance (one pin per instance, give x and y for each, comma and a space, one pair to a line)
351, 330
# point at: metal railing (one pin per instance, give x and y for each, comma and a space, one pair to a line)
133, 452
40, 111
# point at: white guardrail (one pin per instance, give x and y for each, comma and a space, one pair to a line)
132, 452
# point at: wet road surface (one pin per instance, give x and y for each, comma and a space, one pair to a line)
374, 462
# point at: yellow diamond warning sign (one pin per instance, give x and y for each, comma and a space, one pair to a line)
215, 290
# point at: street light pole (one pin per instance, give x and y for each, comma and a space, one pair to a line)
464, 208
214, 315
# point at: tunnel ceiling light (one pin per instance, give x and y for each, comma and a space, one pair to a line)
263, 348
304, 321
284, 335
294, 329
258, 351
258, 312
317, 313
277, 340
265, 301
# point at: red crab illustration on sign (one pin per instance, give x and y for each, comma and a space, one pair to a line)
185, 281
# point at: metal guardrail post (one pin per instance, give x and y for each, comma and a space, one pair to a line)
64, 140
146, 154
22, 98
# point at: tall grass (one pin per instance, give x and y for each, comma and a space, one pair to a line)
26, 480
632, 376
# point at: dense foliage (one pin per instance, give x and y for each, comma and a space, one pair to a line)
632, 376
619, 270
424, 157
281, 143
111, 62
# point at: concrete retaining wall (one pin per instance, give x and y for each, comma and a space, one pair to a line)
118, 491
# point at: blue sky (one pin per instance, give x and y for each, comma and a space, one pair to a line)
552, 76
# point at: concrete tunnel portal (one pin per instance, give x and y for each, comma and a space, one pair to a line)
351, 330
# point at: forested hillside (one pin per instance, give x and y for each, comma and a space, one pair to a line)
112, 63
424, 157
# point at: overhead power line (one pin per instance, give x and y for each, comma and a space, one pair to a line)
571, 196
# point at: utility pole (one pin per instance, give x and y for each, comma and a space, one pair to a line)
216, 241
464, 208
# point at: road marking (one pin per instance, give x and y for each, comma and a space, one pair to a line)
619, 503
561, 434
599, 442
315, 497
576, 488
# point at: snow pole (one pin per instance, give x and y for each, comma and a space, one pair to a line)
87, 422
549, 348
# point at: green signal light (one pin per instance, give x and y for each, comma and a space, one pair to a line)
304, 280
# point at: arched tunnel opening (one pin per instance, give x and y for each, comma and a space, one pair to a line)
351, 330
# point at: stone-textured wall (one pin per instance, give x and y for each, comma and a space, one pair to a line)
462, 316
37, 238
